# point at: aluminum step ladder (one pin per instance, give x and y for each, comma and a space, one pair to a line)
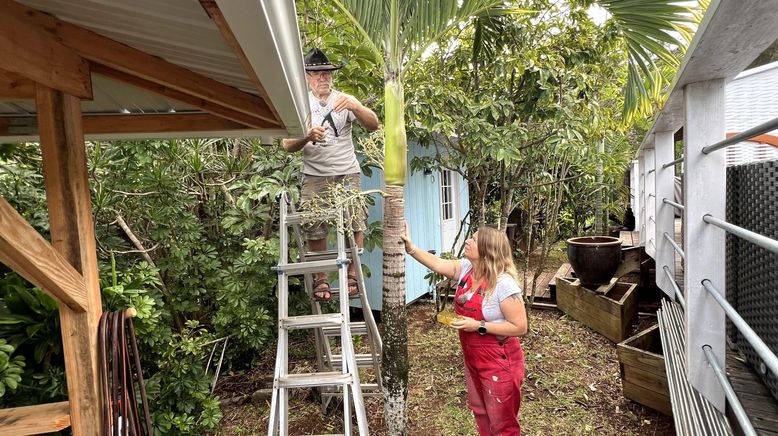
338, 374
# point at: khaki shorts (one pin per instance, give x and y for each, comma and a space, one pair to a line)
318, 185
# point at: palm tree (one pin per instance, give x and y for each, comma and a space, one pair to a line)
397, 33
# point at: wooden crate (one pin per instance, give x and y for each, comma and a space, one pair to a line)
610, 310
642, 367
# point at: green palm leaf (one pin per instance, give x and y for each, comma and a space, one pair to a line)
398, 31
646, 26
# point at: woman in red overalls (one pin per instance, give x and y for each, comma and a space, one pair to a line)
491, 316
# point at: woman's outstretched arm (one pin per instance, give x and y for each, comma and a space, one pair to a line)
444, 267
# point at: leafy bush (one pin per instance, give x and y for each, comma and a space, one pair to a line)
29, 323
186, 232
11, 368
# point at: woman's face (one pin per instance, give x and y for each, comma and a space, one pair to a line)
471, 248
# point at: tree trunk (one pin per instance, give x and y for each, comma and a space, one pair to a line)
394, 362
599, 210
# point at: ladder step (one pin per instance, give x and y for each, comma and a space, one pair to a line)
311, 267
363, 361
312, 321
335, 292
358, 328
368, 390
326, 255
313, 379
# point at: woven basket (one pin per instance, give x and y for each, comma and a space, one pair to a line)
752, 272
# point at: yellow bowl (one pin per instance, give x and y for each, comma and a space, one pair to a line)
446, 317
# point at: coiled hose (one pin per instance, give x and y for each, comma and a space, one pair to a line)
121, 370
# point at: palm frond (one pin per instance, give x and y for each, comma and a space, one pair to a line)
649, 28
371, 19
432, 19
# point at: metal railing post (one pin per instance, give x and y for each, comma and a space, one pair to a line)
704, 192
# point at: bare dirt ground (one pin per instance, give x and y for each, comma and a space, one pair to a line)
572, 386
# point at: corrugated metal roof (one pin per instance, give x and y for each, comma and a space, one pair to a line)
181, 32
178, 31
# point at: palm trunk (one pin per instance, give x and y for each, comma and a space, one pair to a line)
600, 222
394, 363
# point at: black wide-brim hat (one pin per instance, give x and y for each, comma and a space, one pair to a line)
316, 60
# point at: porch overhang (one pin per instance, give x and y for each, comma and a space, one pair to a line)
150, 69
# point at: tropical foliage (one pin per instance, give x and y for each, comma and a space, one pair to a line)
524, 139
398, 33
187, 230
186, 235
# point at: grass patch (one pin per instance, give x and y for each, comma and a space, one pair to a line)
572, 386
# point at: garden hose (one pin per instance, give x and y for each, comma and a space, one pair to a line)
121, 370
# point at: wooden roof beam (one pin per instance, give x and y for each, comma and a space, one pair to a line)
15, 87
35, 55
129, 123
154, 73
183, 97
25, 251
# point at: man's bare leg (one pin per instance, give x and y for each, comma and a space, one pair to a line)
359, 238
323, 292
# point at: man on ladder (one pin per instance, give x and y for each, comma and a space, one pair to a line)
329, 159
328, 155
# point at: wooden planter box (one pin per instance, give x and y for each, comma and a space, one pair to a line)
642, 367
611, 310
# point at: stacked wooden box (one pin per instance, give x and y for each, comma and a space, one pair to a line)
610, 310
642, 367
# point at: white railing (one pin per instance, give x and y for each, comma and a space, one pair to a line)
732, 34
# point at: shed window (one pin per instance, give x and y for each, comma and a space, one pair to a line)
446, 195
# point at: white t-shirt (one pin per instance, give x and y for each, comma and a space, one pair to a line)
506, 286
334, 155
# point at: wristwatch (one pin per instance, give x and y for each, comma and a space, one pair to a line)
482, 328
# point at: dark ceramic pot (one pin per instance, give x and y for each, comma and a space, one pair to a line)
594, 258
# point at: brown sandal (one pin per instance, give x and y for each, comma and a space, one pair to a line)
321, 290
352, 284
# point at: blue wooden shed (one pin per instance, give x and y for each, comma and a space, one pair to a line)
435, 203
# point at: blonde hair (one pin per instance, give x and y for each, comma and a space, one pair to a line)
495, 258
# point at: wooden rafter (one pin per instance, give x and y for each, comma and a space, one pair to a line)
15, 87
159, 123
32, 54
134, 123
212, 9
183, 97
151, 72
25, 251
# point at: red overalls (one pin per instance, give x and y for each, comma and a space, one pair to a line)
494, 370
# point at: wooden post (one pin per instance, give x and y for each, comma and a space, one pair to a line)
664, 152
650, 198
634, 186
642, 196
704, 192
72, 235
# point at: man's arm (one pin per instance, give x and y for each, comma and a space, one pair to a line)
366, 117
314, 134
